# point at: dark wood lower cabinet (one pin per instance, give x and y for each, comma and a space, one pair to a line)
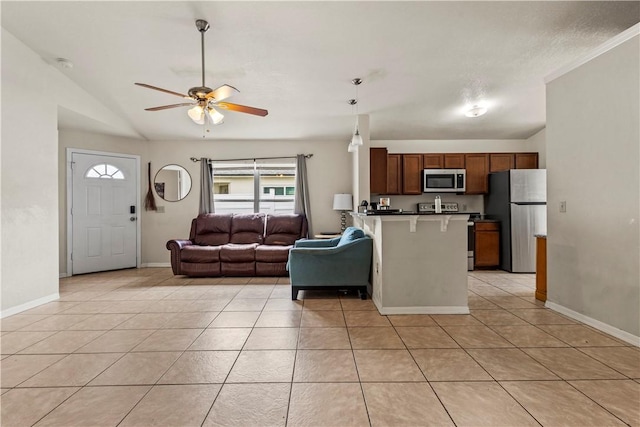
487, 244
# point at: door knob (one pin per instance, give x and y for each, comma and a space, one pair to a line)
133, 218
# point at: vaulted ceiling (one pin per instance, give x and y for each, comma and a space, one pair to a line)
421, 62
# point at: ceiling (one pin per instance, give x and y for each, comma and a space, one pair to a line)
421, 62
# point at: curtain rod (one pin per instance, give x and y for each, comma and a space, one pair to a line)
307, 156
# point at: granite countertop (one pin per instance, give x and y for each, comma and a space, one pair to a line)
543, 236
385, 213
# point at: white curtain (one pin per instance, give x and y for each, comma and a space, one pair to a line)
206, 187
301, 203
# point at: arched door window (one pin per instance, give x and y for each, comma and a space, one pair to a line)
104, 171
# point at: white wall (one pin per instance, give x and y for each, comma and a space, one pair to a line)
456, 146
593, 163
538, 143
29, 177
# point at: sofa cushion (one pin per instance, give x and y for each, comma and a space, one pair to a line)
238, 268
351, 234
247, 228
212, 229
196, 253
233, 252
272, 253
283, 229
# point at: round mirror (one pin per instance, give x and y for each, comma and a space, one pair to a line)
172, 183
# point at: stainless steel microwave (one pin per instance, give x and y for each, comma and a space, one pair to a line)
444, 180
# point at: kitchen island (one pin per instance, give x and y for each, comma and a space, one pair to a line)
419, 262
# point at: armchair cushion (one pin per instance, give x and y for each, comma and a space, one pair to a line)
351, 234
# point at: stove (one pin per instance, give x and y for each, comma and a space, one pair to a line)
447, 207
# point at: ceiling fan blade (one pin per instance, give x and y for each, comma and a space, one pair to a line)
166, 107
162, 90
243, 109
222, 92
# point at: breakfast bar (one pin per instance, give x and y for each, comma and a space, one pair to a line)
419, 262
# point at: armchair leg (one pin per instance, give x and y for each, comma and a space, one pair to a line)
294, 293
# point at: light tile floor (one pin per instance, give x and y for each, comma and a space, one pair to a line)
144, 348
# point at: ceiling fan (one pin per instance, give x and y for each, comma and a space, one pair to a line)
205, 100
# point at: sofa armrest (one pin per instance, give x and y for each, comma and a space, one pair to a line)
178, 244
316, 243
175, 246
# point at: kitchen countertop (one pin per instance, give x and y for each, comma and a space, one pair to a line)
385, 213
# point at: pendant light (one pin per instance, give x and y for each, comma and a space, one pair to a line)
356, 139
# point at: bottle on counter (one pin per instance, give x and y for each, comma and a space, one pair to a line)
438, 205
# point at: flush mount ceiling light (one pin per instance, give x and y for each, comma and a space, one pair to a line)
475, 111
356, 140
64, 63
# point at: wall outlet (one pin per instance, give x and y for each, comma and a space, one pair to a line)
563, 207
159, 209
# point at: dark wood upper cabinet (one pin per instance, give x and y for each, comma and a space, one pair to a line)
378, 170
394, 174
454, 161
433, 161
526, 160
477, 166
501, 162
411, 174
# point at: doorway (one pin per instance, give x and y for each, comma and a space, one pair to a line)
103, 227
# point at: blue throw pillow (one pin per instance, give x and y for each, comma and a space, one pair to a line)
351, 234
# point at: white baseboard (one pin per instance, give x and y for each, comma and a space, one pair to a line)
156, 265
62, 275
601, 326
436, 309
28, 305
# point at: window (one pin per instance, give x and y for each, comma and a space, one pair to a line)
279, 191
104, 171
260, 186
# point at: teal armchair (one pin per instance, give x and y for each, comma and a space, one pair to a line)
340, 263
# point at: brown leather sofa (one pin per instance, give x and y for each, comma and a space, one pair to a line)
237, 245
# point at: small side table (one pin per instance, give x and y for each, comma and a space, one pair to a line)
327, 236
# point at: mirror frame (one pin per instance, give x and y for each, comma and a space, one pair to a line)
160, 192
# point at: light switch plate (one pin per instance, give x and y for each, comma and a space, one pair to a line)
159, 209
563, 207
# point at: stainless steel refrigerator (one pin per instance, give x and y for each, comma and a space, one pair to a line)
518, 199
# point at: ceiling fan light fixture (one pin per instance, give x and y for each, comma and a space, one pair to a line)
196, 114
216, 116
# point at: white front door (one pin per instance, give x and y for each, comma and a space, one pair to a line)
104, 212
